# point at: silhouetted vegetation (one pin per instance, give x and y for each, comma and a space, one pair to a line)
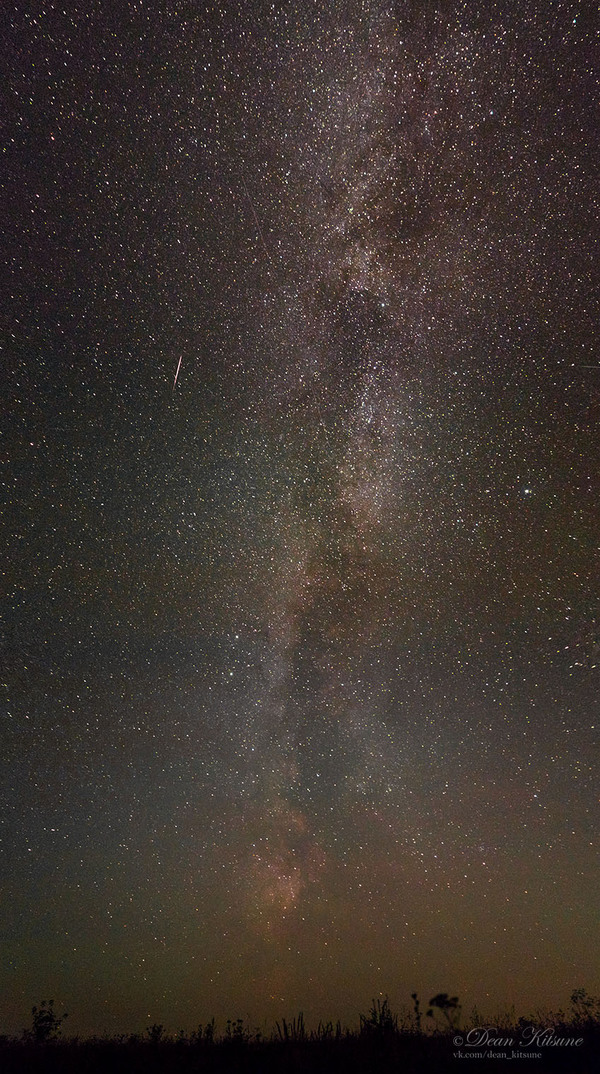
46, 1024
448, 1006
384, 1041
380, 1020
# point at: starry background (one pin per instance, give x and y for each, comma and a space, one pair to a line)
300, 464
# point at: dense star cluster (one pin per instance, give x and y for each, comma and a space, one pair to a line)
301, 392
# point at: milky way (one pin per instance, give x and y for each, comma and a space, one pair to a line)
302, 482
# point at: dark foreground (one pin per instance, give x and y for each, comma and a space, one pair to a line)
400, 1050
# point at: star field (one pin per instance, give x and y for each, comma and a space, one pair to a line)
300, 477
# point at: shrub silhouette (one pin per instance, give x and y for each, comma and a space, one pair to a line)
46, 1023
380, 1019
236, 1032
448, 1006
205, 1035
585, 1008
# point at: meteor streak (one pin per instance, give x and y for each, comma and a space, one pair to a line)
177, 374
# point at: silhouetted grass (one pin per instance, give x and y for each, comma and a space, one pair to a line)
384, 1041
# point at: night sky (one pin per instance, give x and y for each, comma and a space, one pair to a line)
300, 470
